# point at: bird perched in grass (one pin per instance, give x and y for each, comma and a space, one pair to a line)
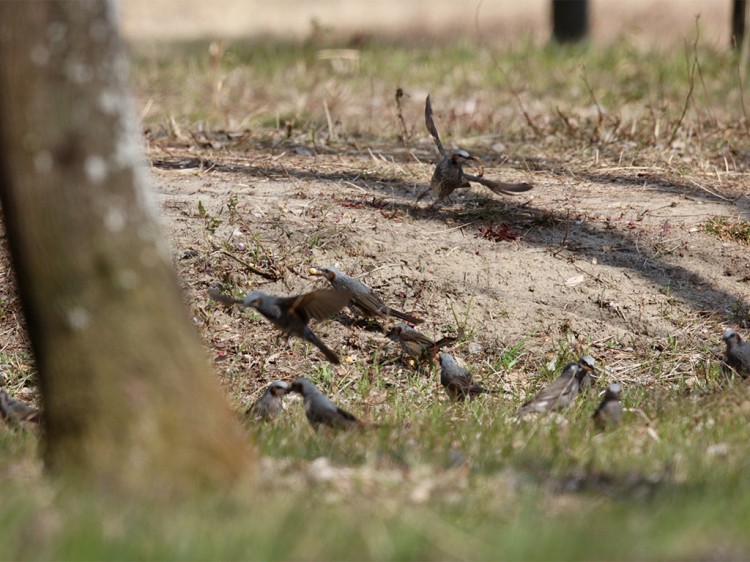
609, 411
319, 410
270, 404
364, 299
737, 355
415, 344
457, 381
292, 314
17, 412
449, 174
560, 393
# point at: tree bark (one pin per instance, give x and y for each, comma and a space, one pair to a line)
570, 20
129, 399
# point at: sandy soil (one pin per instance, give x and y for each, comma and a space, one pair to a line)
612, 260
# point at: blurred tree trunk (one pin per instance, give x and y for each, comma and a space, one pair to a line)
739, 11
129, 398
570, 20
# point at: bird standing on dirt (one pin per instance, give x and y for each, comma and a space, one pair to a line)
609, 411
560, 393
319, 410
363, 297
17, 412
737, 356
268, 406
457, 381
449, 174
291, 314
415, 344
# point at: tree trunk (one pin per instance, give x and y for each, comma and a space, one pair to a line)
129, 399
570, 20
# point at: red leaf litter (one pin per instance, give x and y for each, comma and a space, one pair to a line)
497, 232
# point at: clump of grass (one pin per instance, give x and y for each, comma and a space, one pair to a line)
736, 230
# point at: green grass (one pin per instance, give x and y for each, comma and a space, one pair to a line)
480, 94
431, 479
434, 481
737, 230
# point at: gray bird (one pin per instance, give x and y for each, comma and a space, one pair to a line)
560, 393
415, 344
268, 406
363, 297
319, 410
291, 314
457, 381
449, 174
609, 411
17, 412
737, 356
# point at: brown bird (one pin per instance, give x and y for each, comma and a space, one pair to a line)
609, 411
17, 412
560, 393
737, 355
291, 314
415, 344
364, 300
449, 174
319, 410
457, 381
270, 404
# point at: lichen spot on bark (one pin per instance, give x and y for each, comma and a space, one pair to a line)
95, 168
78, 318
40, 55
43, 162
114, 220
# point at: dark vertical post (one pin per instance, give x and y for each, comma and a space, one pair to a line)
739, 9
570, 21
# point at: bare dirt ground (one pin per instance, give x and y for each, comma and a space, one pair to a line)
611, 260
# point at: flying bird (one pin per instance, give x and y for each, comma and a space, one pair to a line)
292, 314
449, 174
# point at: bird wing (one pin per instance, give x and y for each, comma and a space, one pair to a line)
500, 187
430, 124
417, 337
316, 305
371, 303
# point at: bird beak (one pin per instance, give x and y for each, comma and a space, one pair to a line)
313, 271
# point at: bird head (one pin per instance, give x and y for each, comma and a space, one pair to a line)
460, 157
279, 388
254, 299
328, 272
731, 337
612, 392
586, 367
301, 386
394, 334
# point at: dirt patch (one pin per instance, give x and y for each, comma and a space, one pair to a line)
612, 260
